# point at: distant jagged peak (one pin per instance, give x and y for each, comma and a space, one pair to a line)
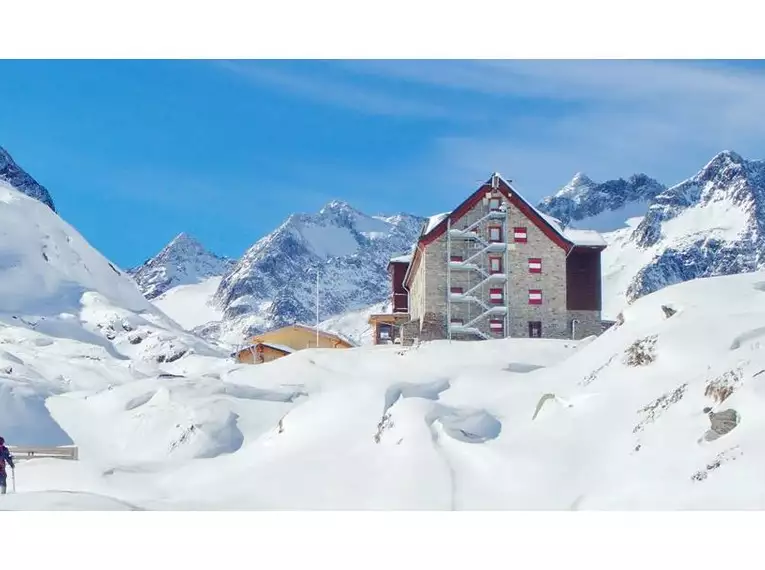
579, 181
605, 206
186, 242
184, 260
334, 206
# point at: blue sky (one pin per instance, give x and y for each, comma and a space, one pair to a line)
135, 152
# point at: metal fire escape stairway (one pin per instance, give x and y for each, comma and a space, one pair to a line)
475, 263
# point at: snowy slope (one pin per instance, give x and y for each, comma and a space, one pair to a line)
609, 423
184, 261
354, 325
274, 283
191, 306
69, 320
47, 266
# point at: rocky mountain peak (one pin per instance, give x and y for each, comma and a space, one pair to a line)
602, 206
183, 261
12, 173
273, 284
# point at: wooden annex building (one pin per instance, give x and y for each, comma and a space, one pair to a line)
494, 267
281, 342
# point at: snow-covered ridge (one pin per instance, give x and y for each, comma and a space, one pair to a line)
184, 261
12, 175
604, 206
46, 265
710, 224
274, 283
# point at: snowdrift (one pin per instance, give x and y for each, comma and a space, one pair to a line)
663, 411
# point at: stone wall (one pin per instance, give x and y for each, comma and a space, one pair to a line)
429, 294
589, 323
552, 313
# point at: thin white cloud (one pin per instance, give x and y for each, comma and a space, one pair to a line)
615, 117
543, 120
332, 92
591, 80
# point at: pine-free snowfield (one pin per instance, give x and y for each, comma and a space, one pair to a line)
442, 426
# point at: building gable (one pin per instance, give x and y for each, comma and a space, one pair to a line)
552, 232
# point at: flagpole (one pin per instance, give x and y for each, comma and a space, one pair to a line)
317, 308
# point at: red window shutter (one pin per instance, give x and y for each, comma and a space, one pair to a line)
495, 234
455, 258
535, 265
496, 296
520, 235
497, 326
535, 296
457, 290
495, 264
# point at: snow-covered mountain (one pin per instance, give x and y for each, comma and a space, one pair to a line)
184, 261
15, 177
602, 206
274, 283
710, 224
70, 320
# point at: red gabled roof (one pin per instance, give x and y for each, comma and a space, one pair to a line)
512, 196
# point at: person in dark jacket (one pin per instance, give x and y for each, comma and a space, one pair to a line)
5, 457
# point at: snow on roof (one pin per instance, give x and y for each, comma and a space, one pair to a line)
327, 333
433, 221
282, 347
554, 222
589, 238
585, 238
401, 258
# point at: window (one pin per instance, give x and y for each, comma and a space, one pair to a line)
494, 204
535, 265
496, 296
497, 326
495, 234
457, 321
535, 329
385, 331
535, 297
495, 264
457, 258
457, 290
520, 235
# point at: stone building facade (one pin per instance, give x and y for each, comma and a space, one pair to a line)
496, 267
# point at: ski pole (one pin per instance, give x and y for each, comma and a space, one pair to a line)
13, 478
